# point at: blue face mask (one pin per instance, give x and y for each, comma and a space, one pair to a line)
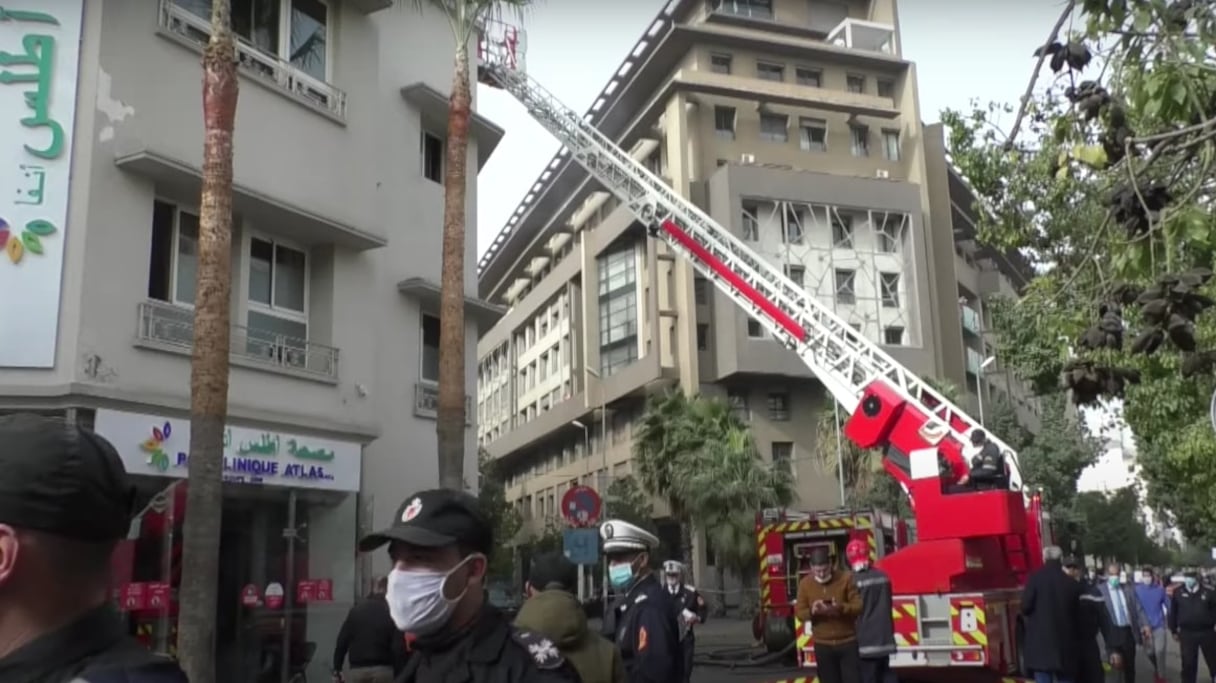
1190, 582
1113, 580
620, 575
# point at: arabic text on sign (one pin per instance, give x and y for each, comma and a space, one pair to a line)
35, 67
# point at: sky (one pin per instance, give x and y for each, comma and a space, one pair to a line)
977, 49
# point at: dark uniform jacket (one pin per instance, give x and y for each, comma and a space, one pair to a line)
647, 633
1091, 621
1051, 603
875, 625
369, 637
490, 651
1192, 611
686, 597
93, 649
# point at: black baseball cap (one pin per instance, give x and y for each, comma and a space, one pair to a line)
553, 570
434, 519
1073, 562
59, 478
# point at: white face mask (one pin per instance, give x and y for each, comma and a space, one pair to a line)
860, 566
416, 601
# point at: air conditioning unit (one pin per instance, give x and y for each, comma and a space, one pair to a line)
882, 173
747, 158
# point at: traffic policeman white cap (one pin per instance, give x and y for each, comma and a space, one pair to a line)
620, 536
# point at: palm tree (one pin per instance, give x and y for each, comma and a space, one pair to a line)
209, 360
464, 17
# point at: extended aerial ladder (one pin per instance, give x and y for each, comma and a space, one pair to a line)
969, 541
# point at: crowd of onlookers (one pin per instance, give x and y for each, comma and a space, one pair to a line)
1080, 621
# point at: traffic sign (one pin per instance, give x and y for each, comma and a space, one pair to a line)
581, 546
1212, 410
581, 506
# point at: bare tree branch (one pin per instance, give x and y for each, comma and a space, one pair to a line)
1034, 75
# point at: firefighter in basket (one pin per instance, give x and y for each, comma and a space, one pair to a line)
690, 609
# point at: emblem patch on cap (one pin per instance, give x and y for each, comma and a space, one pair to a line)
411, 511
607, 531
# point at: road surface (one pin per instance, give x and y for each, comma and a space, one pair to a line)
732, 634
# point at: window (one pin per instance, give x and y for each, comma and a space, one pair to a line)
702, 336
890, 145
845, 290
890, 290
807, 76
700, 291
756, 9
783, 455
738, 403
721, 162
812, 134
751, 221
842, 230
797, 274
173, 265
893, 336
779, 406
618, 302
432, 157
886, 88
278, 292
429, 369
855, 84
774, 127
754, 330
724, 122
294, 31
720, 64
791, 225
860, 136
766, 71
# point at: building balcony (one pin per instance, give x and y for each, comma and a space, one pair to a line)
165, 327
867, 36
426, 402
975, 362
180, 23
971, 321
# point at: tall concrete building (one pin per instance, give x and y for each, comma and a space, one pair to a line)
335, 270
796, 126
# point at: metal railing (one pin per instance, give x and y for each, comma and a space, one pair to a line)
426, 402
185, 24
869, 36
164, 324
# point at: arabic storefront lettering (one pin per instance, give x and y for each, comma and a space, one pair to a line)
252, 461
34, 68
39, 68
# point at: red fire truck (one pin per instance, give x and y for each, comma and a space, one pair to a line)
958, 583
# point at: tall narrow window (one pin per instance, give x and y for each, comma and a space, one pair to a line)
724, 122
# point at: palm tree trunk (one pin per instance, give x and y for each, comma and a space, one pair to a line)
450, 418
209, 363
686, 554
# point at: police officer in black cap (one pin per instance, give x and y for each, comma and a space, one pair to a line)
65, 502
440, 545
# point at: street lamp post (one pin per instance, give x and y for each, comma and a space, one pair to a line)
979, 384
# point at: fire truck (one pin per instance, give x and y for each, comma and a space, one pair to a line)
958, 584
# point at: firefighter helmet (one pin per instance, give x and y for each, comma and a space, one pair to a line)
857, 551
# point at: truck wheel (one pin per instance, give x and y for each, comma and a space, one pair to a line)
778, 633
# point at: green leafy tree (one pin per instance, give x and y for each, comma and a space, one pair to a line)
1114, 528
625, 500
1001, 420
1105, 181
492, 496
1054, 459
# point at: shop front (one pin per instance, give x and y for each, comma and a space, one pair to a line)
287, 547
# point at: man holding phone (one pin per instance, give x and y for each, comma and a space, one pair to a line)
829, 599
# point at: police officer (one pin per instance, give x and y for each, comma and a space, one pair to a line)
1192, 620
875, 625
440, 545
65, 502
690, 610
644, 616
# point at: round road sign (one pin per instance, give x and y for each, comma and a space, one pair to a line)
581, 506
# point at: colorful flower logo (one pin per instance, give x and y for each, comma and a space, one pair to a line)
28, 241
154, 447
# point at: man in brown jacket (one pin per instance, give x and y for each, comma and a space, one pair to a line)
831, 602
